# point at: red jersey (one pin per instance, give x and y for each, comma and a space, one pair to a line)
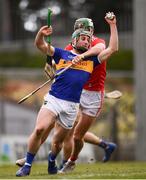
97, 78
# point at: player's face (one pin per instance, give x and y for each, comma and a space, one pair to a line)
84, 42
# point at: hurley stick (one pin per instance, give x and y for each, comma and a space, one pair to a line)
49, 24
41, 86
113, 94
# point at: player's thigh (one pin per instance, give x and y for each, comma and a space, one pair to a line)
60, 133
45, 119
83, 125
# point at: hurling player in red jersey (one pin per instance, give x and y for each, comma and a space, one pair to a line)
90, 104
95, 88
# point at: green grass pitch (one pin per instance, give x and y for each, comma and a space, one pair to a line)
110, 170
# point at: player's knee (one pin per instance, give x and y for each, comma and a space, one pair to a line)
77, 137
78, 141
57, 144
39, 131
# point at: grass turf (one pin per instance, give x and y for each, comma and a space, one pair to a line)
111, 170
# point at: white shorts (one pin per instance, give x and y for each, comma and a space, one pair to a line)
66, 111
91, 102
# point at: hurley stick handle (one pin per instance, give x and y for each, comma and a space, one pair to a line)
49, 23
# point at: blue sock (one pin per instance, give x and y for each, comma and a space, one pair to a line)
103, 144
52, 156
29, 159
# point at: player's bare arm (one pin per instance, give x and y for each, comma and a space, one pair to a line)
95, 50
40, 42
113, 42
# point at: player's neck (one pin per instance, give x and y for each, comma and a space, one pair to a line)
75, 51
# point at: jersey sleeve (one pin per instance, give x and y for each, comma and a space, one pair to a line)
96, 60
96, 40
57, 55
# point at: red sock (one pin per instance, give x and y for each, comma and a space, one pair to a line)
73, 158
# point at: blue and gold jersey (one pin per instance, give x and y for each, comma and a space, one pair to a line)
68, 86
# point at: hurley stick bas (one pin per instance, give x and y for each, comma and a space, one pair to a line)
113, 94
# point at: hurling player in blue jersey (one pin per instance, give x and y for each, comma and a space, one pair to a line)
62, 101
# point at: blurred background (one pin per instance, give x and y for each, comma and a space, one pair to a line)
22, 70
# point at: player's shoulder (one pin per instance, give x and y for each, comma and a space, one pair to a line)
96, 40
68, 47
59, 51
